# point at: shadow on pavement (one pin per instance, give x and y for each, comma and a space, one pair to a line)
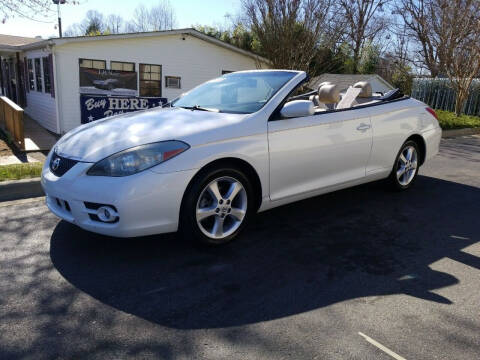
358, 242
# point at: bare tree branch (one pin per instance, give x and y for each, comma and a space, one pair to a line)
288, 31
159, 17
365, 20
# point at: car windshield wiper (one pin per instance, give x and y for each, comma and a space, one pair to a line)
196, 107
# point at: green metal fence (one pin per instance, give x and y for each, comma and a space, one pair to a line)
437, 94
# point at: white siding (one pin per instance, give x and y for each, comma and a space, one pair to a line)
41, 106
194, 60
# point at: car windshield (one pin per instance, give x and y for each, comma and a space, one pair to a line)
243, 92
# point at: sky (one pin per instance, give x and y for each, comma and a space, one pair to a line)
188, 12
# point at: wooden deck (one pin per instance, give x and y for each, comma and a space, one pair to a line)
36, 137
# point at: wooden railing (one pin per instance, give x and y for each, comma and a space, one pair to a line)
11, 119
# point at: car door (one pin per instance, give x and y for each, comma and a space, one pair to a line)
318, 151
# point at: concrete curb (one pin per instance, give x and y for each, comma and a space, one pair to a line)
20, 189
460, 132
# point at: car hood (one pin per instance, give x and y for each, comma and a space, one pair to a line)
99, 139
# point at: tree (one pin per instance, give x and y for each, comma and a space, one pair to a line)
30, 9
329, 59
457, 25
159, 17
162, 16
364, 21
114, 23
448, 34
416, 19
238, 36
93, 23
73, 30
140, 20
394, 65
402, 78
369, 59
288, 31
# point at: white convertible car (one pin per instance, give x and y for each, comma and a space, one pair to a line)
233, 146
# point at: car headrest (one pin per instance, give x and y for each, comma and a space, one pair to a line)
366, 89
329, 94
324, 83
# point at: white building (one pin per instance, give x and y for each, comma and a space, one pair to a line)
63, 82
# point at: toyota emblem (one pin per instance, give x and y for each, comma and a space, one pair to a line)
55, 164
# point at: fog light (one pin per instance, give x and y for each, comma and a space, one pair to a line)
106, 214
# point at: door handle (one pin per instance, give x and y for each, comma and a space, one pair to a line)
363, 127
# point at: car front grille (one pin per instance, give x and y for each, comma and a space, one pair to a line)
60, 165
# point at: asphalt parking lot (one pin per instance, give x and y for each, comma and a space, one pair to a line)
349, 275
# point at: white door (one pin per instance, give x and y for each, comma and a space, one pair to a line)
314, 152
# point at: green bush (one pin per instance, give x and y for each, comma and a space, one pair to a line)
448, 120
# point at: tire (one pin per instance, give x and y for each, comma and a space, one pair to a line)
405, 169
216, 219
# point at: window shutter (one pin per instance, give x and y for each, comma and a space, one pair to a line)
25, 71
52, 80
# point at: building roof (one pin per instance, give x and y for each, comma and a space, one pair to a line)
346, 80
75, 39
10, 43
11, 40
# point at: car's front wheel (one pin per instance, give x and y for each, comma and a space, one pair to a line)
217, 206
406, 166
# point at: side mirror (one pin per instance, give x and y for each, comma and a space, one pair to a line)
297, 108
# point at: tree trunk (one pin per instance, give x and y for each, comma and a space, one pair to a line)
356, 58
459, 102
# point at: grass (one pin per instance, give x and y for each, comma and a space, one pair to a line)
20, 171
448, 120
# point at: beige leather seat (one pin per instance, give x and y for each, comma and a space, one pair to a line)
329, 94
324, 83
366, 89
315, 99
365, 95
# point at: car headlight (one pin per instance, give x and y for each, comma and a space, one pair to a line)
136, 159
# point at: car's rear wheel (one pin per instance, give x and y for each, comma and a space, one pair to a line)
405, 169
216, 206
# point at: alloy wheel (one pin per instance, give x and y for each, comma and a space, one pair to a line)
221, 207
407, 165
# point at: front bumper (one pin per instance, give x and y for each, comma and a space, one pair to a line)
147, 203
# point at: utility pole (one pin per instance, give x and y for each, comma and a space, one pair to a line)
58, 3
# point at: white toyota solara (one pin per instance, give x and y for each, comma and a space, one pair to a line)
233, 146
